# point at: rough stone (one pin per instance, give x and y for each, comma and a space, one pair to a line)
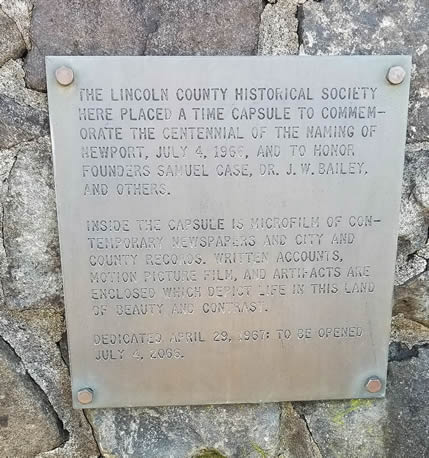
49, 321
295, 437
42, 360
12, 44
393, 427
57, 28
412, 299
30, 236
28, 424
414, 219
22, 118
232, 431
20, 123
23, 113
384, 27
7, 159
12, 85
406, 430
20, 12
199, 27
408, 332
152, 27
278, 31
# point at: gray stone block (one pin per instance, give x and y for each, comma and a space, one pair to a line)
12, 43
367, 428
154, 27
382, 27
412, 299
28, 424
178, 432
414, 221
33, 272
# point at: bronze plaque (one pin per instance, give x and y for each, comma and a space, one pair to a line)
228, 225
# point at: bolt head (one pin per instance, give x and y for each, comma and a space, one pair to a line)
373, 385
85, 395
396, 75
64, 75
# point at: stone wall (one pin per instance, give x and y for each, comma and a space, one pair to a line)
36, 418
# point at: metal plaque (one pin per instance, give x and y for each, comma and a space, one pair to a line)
228, 225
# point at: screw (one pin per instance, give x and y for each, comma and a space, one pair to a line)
85, 395
396, 75
373, 385
64, 75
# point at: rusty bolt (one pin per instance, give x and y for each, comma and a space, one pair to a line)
396, 75
373, 385
64, 75
85, 395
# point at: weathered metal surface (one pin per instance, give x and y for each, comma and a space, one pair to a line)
227, 224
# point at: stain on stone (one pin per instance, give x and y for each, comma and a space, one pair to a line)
63, 347
400, 352
4, 421
208, 453
300, 18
